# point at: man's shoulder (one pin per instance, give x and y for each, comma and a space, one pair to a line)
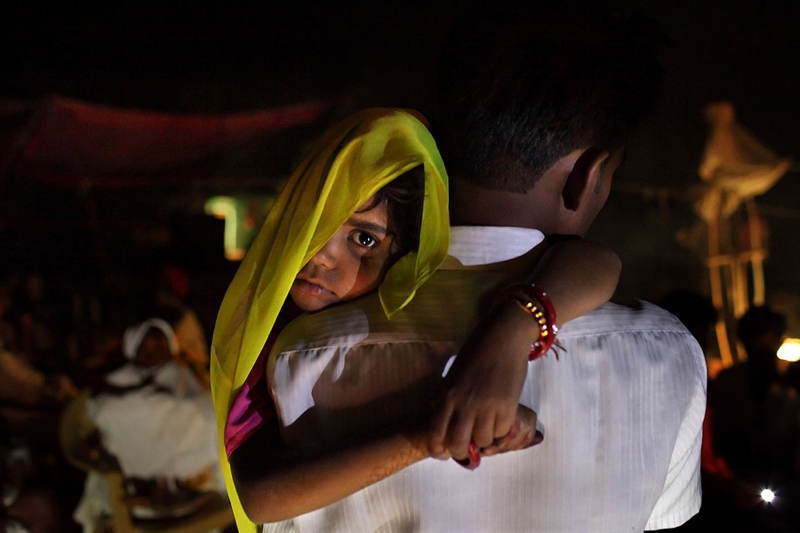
434, 315
644, 334
633, 318
427, 320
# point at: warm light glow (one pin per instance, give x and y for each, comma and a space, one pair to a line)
234, 254
224, 207
790, 350
767, 495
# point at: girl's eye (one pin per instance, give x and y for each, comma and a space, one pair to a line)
362, 238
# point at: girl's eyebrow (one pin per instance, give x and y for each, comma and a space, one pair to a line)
368, 226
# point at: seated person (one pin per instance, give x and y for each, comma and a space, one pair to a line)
153, 404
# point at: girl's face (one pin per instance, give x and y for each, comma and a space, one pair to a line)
351, 264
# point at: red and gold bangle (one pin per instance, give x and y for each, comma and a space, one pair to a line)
534, 300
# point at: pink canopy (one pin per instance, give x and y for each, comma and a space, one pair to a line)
73, 143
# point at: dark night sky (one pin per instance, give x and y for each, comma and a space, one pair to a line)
198, 60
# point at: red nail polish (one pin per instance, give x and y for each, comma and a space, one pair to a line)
473, 459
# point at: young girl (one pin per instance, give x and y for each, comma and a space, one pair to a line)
349, 222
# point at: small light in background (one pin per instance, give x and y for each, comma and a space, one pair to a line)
767, 495
790, 350
226, 208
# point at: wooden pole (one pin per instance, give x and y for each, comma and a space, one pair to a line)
758, 255
717, 298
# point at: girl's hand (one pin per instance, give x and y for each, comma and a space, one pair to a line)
523, 434
482, 388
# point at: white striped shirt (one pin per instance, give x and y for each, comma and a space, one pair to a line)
623, 409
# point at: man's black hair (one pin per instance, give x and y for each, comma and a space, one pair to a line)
758, 321
520, 90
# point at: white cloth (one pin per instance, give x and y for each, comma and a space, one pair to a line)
94, 507
134, 335
165, 429
171, 377
623, 409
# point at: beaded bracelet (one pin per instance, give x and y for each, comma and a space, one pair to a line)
534, 300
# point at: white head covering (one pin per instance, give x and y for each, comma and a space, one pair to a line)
135, 334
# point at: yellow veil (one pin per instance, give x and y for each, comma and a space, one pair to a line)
352, 161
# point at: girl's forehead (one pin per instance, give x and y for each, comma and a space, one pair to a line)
372, 212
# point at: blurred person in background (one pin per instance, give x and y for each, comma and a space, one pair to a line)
35, 320
746, 397
695, 311
30, 402
172, 297
8, 333
155, 418
754, 418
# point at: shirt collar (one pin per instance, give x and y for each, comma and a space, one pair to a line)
483, 245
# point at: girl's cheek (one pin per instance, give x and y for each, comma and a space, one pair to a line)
372, 271
348, 273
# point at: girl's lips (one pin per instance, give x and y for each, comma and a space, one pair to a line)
311, 288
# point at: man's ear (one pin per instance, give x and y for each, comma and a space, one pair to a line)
584, 176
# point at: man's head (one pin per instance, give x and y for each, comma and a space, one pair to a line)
540, 104
761, 331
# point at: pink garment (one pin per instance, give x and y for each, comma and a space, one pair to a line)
251, 407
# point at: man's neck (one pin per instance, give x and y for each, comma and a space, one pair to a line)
472, 205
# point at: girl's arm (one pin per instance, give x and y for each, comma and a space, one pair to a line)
275, 482
484, 385
578, 275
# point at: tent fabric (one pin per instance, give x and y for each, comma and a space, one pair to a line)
74, 143
735, 165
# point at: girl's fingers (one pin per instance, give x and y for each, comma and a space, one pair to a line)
503, 423
483, 430
512, 442
439, 424
459, 436
490, 450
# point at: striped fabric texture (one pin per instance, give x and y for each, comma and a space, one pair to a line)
622, 409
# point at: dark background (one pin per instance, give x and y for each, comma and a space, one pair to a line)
213, 60
190, 59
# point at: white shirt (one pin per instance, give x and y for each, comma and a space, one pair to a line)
623, 409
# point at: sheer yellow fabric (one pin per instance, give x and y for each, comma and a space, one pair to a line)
352, 161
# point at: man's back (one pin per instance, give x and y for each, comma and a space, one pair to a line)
622, 410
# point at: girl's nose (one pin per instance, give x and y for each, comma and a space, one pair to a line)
326, 257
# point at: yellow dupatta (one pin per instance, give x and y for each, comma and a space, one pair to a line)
352, 161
